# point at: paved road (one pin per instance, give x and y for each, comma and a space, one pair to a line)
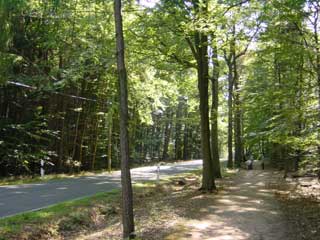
16, 199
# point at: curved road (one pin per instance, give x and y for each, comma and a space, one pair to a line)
16, 199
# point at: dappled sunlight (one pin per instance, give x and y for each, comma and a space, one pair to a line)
260, 184
247, 210
265, 190
255, 201
245, 184
237, 197
204, 210
225, 201
207, 229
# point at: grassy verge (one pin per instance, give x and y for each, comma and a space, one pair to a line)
74, 212
67, 219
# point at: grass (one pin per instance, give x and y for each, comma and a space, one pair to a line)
14, 225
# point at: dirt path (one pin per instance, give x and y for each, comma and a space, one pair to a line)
246, 209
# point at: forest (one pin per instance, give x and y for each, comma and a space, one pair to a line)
101, 85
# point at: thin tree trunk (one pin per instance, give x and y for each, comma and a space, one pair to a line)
230, 118
81, 141
62, 137
178, 155
214, 115
186, 142
167, 133
237, 118
127, 195
95, 144
110, 145
76, 136
318, 83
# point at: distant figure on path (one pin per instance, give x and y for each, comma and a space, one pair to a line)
249, 164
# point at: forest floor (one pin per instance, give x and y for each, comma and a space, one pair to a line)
253, 205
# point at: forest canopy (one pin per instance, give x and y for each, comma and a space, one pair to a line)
206, 79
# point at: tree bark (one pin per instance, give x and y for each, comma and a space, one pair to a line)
179, 115
237, 118
186, 142
214, 115
201, 45
318, 84
230, 118
95, 144
167, 133
127, 195
110, 144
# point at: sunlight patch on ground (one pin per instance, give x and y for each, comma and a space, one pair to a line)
208, 230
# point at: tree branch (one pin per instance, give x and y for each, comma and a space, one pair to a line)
235, 5
250, 40
193, 49
175, 57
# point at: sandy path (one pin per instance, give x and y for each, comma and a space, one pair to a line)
247, 209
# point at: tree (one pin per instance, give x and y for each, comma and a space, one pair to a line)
127, 195
201, 54
214, 111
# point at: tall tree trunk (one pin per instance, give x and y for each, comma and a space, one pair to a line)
127, 195
237, 118
81, 141
318, 83
62, 137
167, 133
95, 144
230, 118
201, 44
186, 142
76, 136
179, 115
110, 144
214, 115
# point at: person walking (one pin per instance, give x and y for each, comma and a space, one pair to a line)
249, 164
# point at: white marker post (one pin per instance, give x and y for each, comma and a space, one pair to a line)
158, 173
42, 169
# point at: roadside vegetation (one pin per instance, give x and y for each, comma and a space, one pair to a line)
93, 85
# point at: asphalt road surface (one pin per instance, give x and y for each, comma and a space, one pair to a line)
16, 199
